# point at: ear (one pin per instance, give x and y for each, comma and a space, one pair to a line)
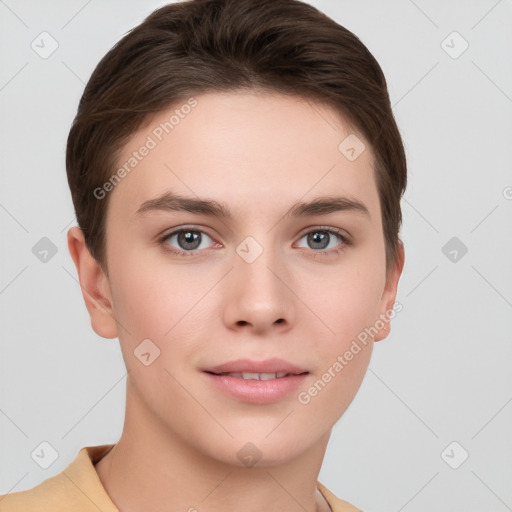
94, 284
389, 293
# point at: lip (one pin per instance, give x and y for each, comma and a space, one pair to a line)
256, 391
273, 365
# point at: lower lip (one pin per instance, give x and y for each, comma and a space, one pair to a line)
257, 391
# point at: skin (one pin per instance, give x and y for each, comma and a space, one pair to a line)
258, 153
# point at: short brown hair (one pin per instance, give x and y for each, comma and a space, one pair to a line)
196, 46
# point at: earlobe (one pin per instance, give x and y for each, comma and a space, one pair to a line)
94, 285
389, 295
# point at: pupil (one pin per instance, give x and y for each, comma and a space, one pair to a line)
318, 237
187, 238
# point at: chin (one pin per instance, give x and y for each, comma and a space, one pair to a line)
260, 450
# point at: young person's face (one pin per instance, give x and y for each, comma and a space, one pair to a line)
252, 287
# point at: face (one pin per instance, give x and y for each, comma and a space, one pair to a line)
241, 313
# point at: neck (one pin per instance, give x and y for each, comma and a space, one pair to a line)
152, 468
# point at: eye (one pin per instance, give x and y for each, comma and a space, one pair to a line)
323, 240
187, 240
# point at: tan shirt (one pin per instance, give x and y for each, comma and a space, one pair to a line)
79, 489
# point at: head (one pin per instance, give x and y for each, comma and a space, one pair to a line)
263, 130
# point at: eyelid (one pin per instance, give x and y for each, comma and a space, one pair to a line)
331, 229
185, 227
167, 234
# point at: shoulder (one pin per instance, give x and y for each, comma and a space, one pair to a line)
77, 488
335, 503
51, 494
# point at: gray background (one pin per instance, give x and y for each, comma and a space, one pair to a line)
444, 373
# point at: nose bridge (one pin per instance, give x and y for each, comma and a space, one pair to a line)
258, 294
254, 264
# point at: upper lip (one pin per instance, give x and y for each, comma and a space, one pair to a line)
274, 365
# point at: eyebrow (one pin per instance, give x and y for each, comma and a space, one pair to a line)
320, 206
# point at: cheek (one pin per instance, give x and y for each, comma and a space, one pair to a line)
329, 394
348, 307
166, 305
155, 307
151, 298
350, 302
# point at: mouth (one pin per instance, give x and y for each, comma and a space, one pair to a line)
257, 382
252, 369
256, 376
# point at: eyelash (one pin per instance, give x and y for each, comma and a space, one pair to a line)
345, 241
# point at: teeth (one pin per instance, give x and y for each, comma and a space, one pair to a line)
251, 376
257, 376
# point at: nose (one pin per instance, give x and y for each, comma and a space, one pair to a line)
258, 295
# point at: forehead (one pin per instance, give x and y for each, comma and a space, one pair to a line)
243, 147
